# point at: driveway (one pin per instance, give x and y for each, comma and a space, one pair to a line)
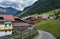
44, 35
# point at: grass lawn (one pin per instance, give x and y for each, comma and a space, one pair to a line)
52, 26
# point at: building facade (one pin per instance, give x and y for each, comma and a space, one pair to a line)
6, 22
20, 24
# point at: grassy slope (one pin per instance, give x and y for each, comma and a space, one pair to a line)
52, 26
41, 6
47, 13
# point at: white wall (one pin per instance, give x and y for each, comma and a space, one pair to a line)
3, 33
2, 25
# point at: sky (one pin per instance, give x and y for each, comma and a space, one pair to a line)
17, 4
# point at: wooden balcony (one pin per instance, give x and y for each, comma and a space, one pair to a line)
6, 28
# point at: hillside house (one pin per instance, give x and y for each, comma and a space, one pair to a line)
20, 24
39, 19
44, 17
6, 22
52, 17
59, 16
31, 20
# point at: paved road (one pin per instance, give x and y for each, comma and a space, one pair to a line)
44, 35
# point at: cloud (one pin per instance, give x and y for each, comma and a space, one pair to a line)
17, 4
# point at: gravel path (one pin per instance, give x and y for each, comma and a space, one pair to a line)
44, 35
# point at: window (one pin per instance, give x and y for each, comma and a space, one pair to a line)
9, 24
5, 31
5, 25
1, 18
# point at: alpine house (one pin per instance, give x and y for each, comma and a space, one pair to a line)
6, 22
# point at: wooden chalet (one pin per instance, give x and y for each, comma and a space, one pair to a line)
39, 19
30, 20
20, 24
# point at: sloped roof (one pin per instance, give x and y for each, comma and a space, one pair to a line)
7, 17
20, 22
17, 19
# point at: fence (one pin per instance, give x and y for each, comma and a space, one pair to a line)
27, 34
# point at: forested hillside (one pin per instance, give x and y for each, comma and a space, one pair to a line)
41, 6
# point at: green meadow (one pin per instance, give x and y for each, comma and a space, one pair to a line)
52, 26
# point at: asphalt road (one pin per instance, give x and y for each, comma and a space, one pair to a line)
44, 35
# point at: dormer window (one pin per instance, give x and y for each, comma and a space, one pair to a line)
9, 24
1, 18
5, 25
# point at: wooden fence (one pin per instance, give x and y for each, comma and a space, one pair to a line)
27, 34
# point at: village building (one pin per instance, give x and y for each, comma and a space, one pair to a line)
55, 16
59, 16
44, 17
33, 20
6, 22
39, 19
20, 24
52, 17
30, 20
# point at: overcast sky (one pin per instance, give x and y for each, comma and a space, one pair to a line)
17, 4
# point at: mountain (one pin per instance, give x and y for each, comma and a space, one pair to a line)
41, 6
8, 10
18, 13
